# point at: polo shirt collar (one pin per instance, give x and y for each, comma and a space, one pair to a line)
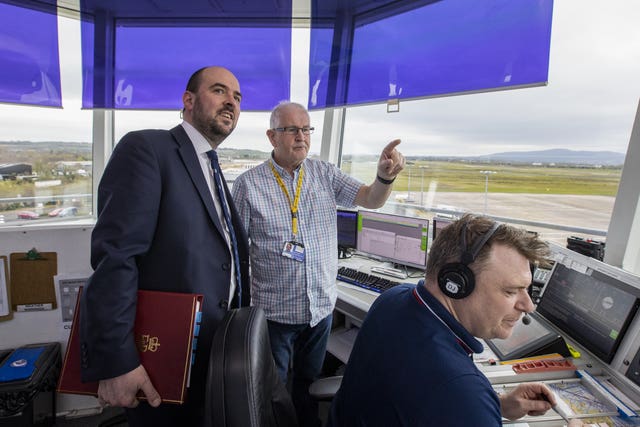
465, 339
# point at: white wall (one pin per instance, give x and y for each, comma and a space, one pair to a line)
72, 243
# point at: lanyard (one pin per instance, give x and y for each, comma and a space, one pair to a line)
462, 344
296, 199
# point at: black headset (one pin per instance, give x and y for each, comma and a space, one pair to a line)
455, 279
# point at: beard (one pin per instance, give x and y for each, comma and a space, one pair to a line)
208, 126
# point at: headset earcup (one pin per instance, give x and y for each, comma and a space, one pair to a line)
456, 280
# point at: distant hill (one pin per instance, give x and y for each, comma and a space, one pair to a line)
84, 147
44, 152
558, 156
22, 151
246, 154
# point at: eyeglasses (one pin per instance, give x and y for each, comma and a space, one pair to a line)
293, 130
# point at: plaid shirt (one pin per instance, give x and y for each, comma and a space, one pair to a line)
290, 291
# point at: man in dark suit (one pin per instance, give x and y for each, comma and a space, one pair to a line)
161, 226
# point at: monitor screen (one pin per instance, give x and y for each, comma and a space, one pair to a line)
592, 307
395, 238
439, 224
524, 341
347, 222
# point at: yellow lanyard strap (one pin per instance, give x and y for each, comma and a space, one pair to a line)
292, 204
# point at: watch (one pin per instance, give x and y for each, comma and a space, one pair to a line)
385, 181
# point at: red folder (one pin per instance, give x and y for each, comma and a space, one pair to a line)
165, 344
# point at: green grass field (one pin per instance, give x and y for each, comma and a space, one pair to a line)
468, 177
449, 177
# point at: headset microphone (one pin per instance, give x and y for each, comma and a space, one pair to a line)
526, 319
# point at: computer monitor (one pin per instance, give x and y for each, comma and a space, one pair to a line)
395, 238
347, 221
591, 306
439, 224
532, 339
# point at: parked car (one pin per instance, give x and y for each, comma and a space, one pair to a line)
55, 212
69, 211
64, 211
27, 215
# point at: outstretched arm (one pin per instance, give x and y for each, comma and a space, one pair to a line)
390, 164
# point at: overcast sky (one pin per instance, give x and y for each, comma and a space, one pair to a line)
589, 103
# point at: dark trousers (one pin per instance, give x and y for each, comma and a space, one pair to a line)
306, 347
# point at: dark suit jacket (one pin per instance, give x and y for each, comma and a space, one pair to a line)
157, 229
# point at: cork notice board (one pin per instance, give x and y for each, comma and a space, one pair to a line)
32, 286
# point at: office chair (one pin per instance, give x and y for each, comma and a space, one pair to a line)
243, 387
324, 389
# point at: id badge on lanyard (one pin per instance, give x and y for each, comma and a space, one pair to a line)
293, 250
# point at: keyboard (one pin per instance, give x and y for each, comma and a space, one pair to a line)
364, 280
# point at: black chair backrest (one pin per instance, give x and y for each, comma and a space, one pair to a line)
243, 386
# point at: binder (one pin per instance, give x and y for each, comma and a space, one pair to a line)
166, 344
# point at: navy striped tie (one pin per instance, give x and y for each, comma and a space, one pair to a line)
217, 179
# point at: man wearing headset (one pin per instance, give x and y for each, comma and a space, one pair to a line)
411, 364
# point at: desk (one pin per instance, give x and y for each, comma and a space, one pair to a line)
354, 302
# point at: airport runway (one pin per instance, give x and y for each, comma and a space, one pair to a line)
592, 212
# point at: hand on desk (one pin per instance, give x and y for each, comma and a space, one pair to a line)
530, 399
527, 399
122, 390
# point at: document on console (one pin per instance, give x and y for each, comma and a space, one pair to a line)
583, 403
